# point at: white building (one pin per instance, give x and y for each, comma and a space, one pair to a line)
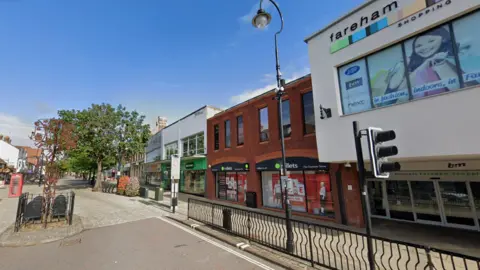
9, 154
412, 66
187, 138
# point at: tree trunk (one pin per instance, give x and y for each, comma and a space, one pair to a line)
98, 180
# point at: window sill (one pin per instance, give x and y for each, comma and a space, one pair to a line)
226, 149
240, 146
309, 135
264, 142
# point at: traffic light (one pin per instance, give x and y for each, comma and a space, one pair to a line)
379, 152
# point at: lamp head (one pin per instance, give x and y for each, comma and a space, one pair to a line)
262, 19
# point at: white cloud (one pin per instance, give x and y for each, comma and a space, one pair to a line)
16, 129
251, 93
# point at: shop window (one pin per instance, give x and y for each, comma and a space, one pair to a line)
319, 194
227, 134
388, 80
354, 87
296, 195
240, 136
231, 186
263, 118
271, 190
287, 127
308, 113
468, 47
216, 137
193, 182
399, 200
475, 188
439, 60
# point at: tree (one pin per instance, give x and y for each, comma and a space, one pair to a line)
132, 134
105, 133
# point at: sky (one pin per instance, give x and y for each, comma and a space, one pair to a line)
161, 58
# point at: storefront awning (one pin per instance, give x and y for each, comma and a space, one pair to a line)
293, 163
231, 167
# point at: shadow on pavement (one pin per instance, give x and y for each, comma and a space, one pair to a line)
157, 204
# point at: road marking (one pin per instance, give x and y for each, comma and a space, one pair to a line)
257, 263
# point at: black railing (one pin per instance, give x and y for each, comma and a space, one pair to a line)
38, 209
327, 246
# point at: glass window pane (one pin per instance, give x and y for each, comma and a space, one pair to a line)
227, 134
319, 193
456, 203
388, 82
216, 131
287, 127
271, 190
354, 87
431, 63
378, 204
185, 147
242, 186
263, 115
425, 200
200, 144
475, 187
308, 113
240, 138
297, 194
399, 200
468, 48
221, 185
231, 186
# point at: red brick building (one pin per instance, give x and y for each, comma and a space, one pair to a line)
245, 155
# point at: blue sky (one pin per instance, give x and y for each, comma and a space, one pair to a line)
158, 57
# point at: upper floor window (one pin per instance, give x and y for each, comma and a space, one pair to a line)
193, 145
240, 136
263, 119
216, 137
227, 134
308, 113
439, 60
171, 149
287, 127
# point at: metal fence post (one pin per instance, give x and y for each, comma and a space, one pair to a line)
429, 259
249, 226
310, 242
188, 208
71, 208
213, 212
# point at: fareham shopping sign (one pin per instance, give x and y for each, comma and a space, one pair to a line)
387, 15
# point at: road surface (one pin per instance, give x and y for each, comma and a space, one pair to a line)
155, 243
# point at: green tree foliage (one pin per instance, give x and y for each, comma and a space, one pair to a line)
105, 134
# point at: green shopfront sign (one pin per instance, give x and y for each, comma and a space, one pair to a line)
193, 164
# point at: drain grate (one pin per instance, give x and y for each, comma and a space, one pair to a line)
70, 242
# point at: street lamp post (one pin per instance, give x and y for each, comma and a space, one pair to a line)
261, 20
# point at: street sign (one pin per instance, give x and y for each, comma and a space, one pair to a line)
175, 168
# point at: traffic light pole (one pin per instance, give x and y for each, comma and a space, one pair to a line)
361, 176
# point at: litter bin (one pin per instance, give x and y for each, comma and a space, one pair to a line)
159, 194
227, 219
144, 192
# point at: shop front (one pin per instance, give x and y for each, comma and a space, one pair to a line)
435, 193
231, 181
311, 190
153, 173
165, 180
193, 175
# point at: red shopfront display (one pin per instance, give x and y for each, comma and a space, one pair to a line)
319, 194
16, 185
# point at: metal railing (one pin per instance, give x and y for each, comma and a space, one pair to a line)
327, 246
33, 208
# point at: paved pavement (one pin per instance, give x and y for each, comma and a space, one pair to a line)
148, 244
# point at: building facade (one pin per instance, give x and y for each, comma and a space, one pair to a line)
412, 66
244, 149
9, 154
186, 138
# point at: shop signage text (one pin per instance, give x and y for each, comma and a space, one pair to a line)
189, 165
427, 11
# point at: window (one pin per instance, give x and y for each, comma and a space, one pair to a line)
271, 190
263, 117
240, 138
440, 60
319, 193
193, 145
232, 186
227, 134
193, 182
171, 149
308, 113
216, 137
287, 127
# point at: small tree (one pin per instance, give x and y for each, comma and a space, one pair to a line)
54, 137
